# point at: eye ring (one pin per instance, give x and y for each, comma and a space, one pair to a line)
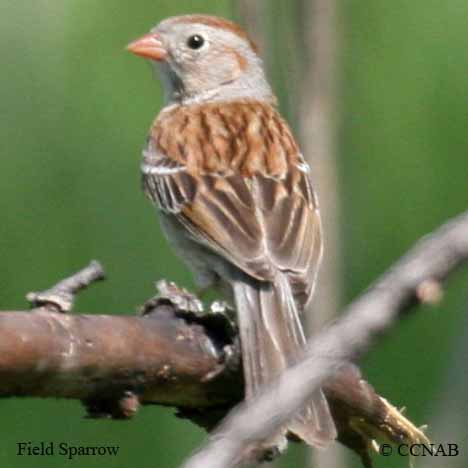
195, 41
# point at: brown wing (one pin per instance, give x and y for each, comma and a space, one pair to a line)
249, 199
294, 237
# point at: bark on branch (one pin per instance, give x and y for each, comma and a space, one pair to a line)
168, 356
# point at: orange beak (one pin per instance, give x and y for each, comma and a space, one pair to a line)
149, 46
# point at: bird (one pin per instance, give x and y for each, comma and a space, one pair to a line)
234, 195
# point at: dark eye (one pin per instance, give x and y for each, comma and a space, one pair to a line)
196, 41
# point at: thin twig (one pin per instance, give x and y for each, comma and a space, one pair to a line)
434, 258
60, 297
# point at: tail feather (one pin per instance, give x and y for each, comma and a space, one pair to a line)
272, 339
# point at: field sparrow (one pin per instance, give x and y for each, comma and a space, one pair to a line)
234, 194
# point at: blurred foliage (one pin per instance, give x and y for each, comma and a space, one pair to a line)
75, 113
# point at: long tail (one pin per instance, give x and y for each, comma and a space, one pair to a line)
272, 338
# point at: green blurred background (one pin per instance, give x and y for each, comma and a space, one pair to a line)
75, 109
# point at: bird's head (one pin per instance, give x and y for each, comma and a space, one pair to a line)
204, 57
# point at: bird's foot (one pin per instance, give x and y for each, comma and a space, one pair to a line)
169, 292
220, 314
272, 448
222, 307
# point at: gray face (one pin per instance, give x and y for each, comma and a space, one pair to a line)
204, 62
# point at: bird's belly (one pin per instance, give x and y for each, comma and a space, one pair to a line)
207, 266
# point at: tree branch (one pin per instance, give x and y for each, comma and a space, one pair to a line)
168, 356
173, 357
422, 269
